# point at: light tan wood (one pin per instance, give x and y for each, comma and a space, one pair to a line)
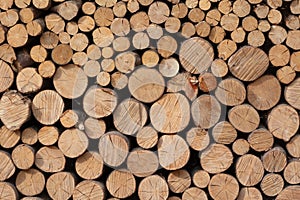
283, 122
107, 52
197, 138
5, 5
295, 61
80, 58
55, 23
49, 40
272, 184
292, 22
239, 65
223, 186
140, 41
103, 78
188, 30
150, 58
249, 193
139, 21
35, 27
7, 53
163, 112
23, 156
68, 9
224, 133
48, 135
29, 136
8, 191
27, 14
291, 93
10, 17
240, 147
89, 190
50, 159
158, 12
89, 165
2, 34
120, 9
154, 187
79, 42
217, 34
225, 6
229, 21
179, 181
126, 62
261, 140
289, 192
119, 80
133, 6
277, 34
226, 48
88, 8
241, 8
204, 5
103, 16
46, 69
291, 172
17, 36
41, 4
62, 54
201, 178
92, 68
9, 138
147, 137
30, 182
274, 160
279, 55
196, 15
213, 17
60, 185
238, 35
261, 11
72, 28
171, 156
69, 118
256, 38
120, 26
14, 109
194, 193
249, 23
293, 147
6, 165
29, 81
286, 74
189, 56
108, 65
166, 46
94, 128
154, 31
136, 162
121, 44
219, 68
93, 52
113, 147
274, 16
207, 82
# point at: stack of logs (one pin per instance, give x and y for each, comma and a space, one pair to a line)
144, 99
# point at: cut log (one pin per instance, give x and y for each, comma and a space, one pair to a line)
249, 23
121, 44
201, 178
238, 35
92, 68
6, 4
291, 93
223, 187
28, 14
80, 58
48, 135
248, 193
241, 8
274, 160
93, 52
291, 172
295, 61
8, 191
118, 80
108, 65
68, 9
204, 4
293, 146
147, 137
121, 184
225, 7
89, 190
89, 165
179, 10
140, 40
279, 55
17, 36
173, 152
194, 193
50, 159
79, 42
170, 114
277, 34
292, 22
292, 40
94, 128
154, 187
62, 54
113, 147
256, 38
23, 156
9, 138
55, 23
289, 192
179, 181
166, 46
240, 147
120, 9
136, 162
46, 69
139, 21
107, 52
249, 170
197, 138
169, 67
10, 17
7, 166
154, 31
103, 16
29, 81
219, 68
30, 182
274, 16
8, 54
272, 184
150, 58
217, 34
69, 118
126, 62
224, 133
196, 15
261, 140
42, 4
226, 48
202, 29
172, 25
14, 109
35, 27
49, 40
60, 185
133, 6
213, 17
188, 30
29, 136
158, 12
103, 78
72, 28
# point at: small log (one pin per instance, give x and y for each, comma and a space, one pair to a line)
35, 27
261, 140
73, 142
119, 80
8, 191
188, 30
46, 69
62, 54
224, 133
226, 48
48, 40
147, 137
179, 181
60, 185
139, 21
126, 62
17, 36
272, 184
292, 22
295, 61
240, 147
279, 55
201, 178
7, 166
89, 165
6, 4
264, 93
103, 16
256, 38
107, 53
196, 15
55, 23
291, 93
122, 44
68, 9
204, 5
106, 3
274, 16
223, 187
179, 10
50, 159
136, 162
29, 81
113, 147
189, 56
92, 68
207, 82
89, 190
249, 193
94, 128
69, 118
249, 170
158, 12
9, 138
171, 156
28, 14
133, 6
93, 52
244, 118
217, 34
48, 135
121, 184
219, 68
241, 8
166, 46
140, 41
194, 193
238, 35
154, 31
248, 71
103, 78
293, 146
289, 192
42, 4
10, 17
225, 7
150, 58
261, 11
172, 25
7, 53
291, 172
30, 182
197, 138
72, 28
23, 156
120, 9
274, 160
249, 23
2, 34
171, 113
277, 34
154, 187
283, 122
229, 22
22, 3
86, 23
79, 42
14, 109
29, 136
80, 58
108, 65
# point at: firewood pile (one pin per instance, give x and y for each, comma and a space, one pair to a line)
149, 100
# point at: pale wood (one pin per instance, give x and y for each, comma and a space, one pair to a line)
93, 52
62, 54
72, 28
30, 182
46, 102
60, 185
79, 42
274, 160
238, 35
48, 40
189, 56
249, 23
219, 68
201, 178
158, 12
196, 15
6, 165
166, 46
120, 26
150, 58
35, 27
94, 128
154, 31
23, 156
89, 165
6, 4
17, 36
207, 82
92, 68
121, 44
9, 191
249, 193
107, 52
46, 69
217, 34
133, 6
264, 93
277, 34
29, 136
2, 34
283, 122
118, 80
289, 192
103, 16
28, 80
179, 181
256, 38
295, 61
204, 5
147, 137
88, 8
179, 10
9, 138
241, 8
249, 170
154, 187
10, 17
89, 190
171, 113
291, 172
68, 9
261, 11
279, 55
240, 147
113, 147
293, 146
272, 184
213, 17
224, 133
229, 21
121, 183
50, 159
139, 21
292, 22
188, 30
73, 142
197, 138
225, 6
41, 4
80, 58
126, 62
223, 187
248, 71
55, 23
274, 16
108, 65
106, 3
14, 109
7, 53
120, 9
194, 193
286, 74
171, 156
140, 40
69, 118
103, 78
261, 140
28, 14
136, 162
226, 48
